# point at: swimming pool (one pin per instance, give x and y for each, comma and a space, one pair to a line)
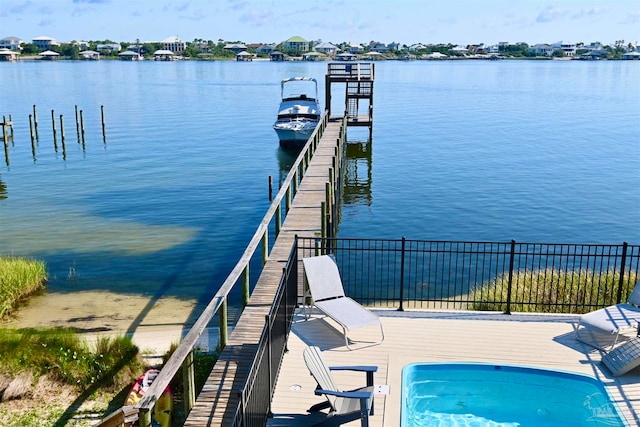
471, 394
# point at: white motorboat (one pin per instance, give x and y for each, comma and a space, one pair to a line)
299, 112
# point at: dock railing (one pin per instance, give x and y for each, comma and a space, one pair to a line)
182, 357
495, 276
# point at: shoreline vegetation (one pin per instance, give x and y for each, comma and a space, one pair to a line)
54, 376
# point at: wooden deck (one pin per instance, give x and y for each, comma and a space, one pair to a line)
545, 341
303, 219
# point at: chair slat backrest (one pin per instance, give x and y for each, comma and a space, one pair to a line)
323, 277
319, 370
634, 298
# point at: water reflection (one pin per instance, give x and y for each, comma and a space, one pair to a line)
358, 177
286, 159
3, 190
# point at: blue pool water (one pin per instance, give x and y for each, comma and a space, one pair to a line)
502, 396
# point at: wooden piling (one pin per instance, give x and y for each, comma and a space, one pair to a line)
35, 120
62, 129
104, 135
77, 124
31, 128
11, 126
82, 126
270, 188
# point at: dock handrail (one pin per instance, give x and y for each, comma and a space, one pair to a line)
259, 239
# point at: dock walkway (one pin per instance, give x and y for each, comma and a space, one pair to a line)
303, 219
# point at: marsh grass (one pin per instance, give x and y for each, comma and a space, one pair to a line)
63, 356
19, 277
553, 291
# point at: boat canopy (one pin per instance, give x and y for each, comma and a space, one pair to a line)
298, 79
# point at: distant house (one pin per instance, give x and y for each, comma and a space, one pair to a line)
266, 49
354, 48
11, 43
235, 47
45, 43
569, 49
174, 44
461, 50
378, 47
136, 48
541, 49
393, 46
595, 54
108, 47
314, 56
633, 55
417, 46
326, 48
346, 56
297, 43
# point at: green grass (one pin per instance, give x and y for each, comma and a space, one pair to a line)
544, 290
65, 357
19, 277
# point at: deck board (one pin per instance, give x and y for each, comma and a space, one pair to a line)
545, 341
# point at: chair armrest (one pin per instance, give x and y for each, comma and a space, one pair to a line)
346, 394
368, 369
361, 368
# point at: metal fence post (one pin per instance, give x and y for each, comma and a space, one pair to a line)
510, 283
622, 267
401, 308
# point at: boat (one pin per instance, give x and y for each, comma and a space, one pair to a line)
164, 406
299, 112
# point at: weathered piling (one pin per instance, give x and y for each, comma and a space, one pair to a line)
31, 128
11, 126
53, 126
77, 124
82, 126
35, 120
270, 188
104, 134
64, 147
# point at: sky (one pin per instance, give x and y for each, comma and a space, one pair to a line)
273, 21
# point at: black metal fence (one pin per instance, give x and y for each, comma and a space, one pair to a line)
255, 397
497, 276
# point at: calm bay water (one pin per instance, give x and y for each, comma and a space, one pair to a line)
462, 150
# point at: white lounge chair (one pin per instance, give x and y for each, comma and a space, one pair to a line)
613, 319
327, 292
344, 406
623, 358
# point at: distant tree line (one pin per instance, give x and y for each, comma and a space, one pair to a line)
216, 49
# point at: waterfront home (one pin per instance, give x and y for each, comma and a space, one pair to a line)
541, 49
297, 43
346, 56
8, 55
326, 48
266, 49
49, 55
235, 47
569, 49
108, 47
378, 47
90, 55
45, 43
11, 43
174, 44
635, 55
128, 55
461, 50
354, 48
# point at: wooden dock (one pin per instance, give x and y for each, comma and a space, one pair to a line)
217, 399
